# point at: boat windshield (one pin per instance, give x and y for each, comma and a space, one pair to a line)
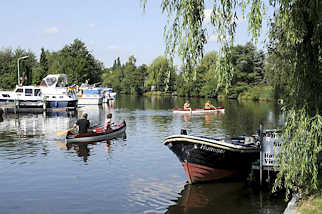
51, 81
62, 82
59, 80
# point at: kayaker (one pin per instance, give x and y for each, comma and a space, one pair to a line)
108, 122
186, 106
83, 124
208, 106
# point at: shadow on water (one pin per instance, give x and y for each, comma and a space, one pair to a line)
225, 197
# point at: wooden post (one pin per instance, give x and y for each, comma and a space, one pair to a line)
261, 154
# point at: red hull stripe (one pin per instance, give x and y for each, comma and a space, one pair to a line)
197, 173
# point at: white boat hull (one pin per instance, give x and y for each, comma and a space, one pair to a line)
90, 100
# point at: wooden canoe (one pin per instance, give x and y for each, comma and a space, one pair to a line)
98, 134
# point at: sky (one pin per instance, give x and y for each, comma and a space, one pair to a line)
109, 28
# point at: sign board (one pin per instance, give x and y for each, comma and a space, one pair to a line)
271, 147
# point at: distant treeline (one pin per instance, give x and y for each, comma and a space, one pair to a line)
253, 77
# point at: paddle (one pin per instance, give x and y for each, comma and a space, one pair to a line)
63, 132
67, 130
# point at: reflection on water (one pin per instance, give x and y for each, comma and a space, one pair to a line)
1, 113
225, 197
42, 174
83, 149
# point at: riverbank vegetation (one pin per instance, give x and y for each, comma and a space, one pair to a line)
312, 204
250, 81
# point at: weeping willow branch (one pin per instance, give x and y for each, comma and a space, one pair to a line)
298, 159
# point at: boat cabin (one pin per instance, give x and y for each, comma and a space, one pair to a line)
28, 91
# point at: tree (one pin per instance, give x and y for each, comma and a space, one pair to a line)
77, 62
9, 69
248, 65
138, 78
161, 75
295, 34
127, 83
295, 39
209, 63
44, 64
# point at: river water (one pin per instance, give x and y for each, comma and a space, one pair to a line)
40, 175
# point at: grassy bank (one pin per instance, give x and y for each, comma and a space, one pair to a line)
256, 93
313, 204
261, 93
159, 93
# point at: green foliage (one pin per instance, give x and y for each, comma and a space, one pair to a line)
9, 67
37, 71
79, 64
190, 83
75, 61
182, 86
113, 77
299, 157
295, 40
138, 78
259, 92
43, 71
186, 33
129, 83
209, 64
312, 205
275, 78
248, 65
126, 78
161, 75
247, 62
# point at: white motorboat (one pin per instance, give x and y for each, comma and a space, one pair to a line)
109, 95
56, 92
24, 96
90, 95
53, 91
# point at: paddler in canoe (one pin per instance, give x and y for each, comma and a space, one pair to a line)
186, 106
208, 106
108, 122
83, 124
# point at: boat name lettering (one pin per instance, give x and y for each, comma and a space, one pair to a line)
211, 149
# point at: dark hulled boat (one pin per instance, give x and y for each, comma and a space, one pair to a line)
206, 159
